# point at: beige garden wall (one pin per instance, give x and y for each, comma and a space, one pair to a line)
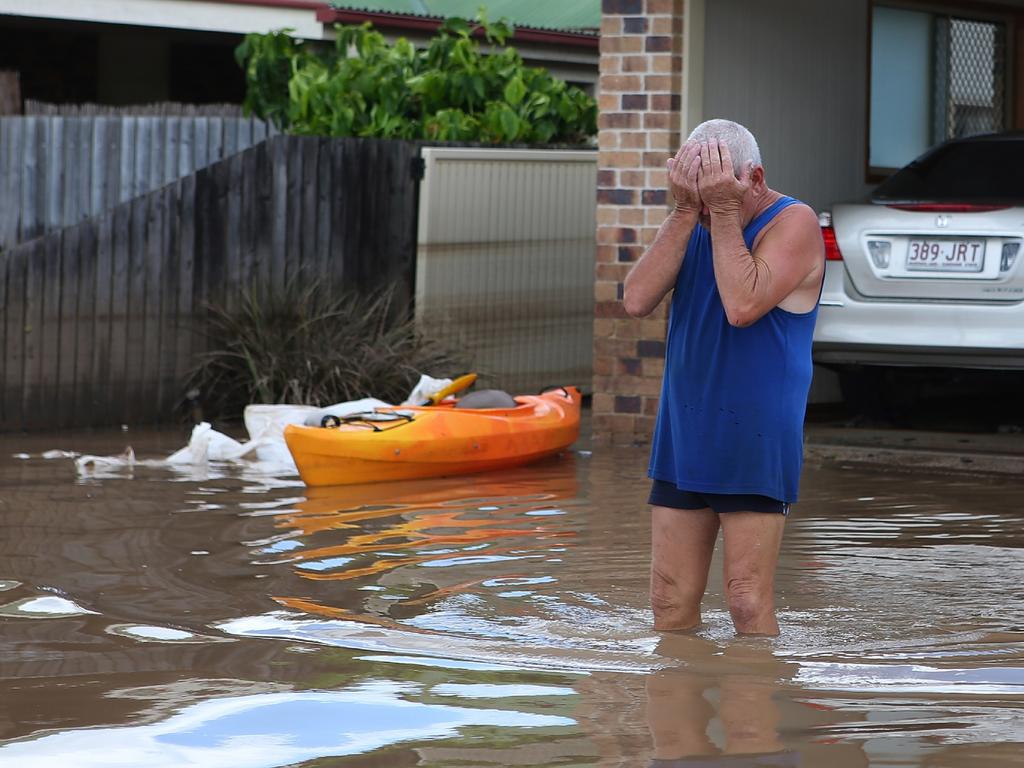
505, 261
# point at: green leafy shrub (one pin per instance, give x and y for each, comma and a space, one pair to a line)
303, 345
450, 91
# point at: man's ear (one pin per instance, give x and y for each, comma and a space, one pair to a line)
757, 178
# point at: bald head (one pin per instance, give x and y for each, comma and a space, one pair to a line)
741, 142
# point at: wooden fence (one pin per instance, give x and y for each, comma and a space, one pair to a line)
57, 170
100, 320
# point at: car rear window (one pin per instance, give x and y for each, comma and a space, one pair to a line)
979, 171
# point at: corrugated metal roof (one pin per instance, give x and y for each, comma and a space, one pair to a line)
539, 14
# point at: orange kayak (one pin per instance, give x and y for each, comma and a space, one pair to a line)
405, 442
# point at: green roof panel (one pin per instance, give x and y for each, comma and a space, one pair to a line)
539, 14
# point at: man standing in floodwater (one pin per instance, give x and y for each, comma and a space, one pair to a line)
745, 264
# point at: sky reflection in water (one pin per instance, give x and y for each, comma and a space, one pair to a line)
270, 730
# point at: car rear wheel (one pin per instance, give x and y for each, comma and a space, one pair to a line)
945, 399
876, 394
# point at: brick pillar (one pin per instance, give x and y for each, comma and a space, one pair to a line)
640, 102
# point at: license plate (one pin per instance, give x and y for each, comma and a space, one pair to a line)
946, 255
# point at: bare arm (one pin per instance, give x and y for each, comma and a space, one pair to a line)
785, 261
655, 272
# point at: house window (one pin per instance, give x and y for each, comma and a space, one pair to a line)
934, 76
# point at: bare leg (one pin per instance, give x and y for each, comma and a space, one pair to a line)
682, 541
752, 541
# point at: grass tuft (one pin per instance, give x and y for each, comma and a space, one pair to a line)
300, 344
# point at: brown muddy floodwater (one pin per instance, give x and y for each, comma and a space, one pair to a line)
156, 617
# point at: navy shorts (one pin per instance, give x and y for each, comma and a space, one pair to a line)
667, 495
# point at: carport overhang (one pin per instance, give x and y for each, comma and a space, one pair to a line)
309, 19
223, 16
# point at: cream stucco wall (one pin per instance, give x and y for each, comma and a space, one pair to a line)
795, 73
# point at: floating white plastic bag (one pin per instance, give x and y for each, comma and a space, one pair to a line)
265, 425
207, 444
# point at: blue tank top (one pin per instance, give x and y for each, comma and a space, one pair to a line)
731, 414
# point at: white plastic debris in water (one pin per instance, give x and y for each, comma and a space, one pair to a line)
265, 449
55, 454
86, 463
207, 444
60, 454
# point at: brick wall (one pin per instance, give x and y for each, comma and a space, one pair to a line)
640, 102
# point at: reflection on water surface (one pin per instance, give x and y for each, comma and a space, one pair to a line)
153, 617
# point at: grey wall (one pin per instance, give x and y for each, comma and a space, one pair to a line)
795, 73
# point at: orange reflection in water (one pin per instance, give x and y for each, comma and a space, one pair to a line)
454, 514
345, 614
344, 506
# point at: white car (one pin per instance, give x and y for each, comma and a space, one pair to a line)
929, 272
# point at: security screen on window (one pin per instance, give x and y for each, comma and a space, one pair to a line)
933, 77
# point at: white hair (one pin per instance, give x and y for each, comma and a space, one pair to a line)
741, 142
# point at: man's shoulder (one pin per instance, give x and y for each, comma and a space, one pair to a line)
796, 220
798, 210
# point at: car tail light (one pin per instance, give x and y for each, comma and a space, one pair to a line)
832, 252
947, 207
